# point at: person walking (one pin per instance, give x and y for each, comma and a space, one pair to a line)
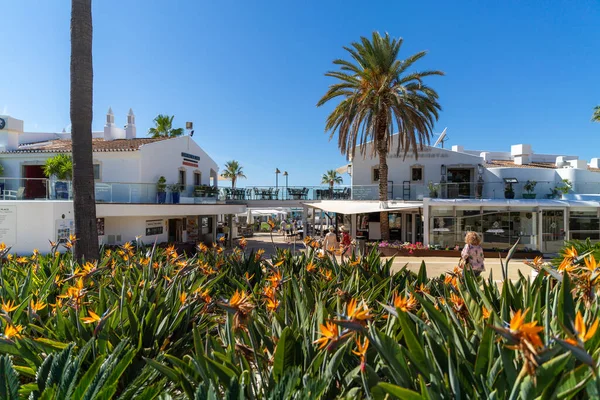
330, 243
346, 243
472, 253
283, 229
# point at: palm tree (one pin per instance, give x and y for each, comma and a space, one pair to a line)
84, 201
596, 115
378, 97
233, 171
330, 178
164, 127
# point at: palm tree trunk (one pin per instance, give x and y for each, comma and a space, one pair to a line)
382, 151
84, 202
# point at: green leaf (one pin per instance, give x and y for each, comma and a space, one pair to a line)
87, 378
285, 353
163, 369
566, 306
399, 392
485, 352
413, 343
9, 379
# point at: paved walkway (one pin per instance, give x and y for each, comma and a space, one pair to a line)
435, 265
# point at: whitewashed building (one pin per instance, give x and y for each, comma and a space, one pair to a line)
542, 199
126, 168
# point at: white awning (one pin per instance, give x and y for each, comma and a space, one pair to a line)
264, 211
543, 203
363, 207
343, 169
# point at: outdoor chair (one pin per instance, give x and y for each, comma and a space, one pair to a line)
304, 194
248, 194
275, 194
14, 194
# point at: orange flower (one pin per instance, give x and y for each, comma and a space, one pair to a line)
311, 267
361, 349
422, 289
92, 318
528, 331
202, 247
590, 263
329, 332
37, 306
405, 304
12, 331
355, 263
9, 306
357, 311
570, 255
241, 302
183, 298
275, 279
486, 313
272, 304
582, 333
243, 243
457, 301
451, 280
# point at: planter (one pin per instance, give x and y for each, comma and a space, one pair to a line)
529, 195
391, 252
62, 190
175, 197
161, 197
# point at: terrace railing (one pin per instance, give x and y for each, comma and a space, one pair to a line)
147, 193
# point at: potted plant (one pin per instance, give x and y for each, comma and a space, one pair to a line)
529, 188
564, 187
200, 191
433, 190
175, 190
509, 192
61, 167
161, 190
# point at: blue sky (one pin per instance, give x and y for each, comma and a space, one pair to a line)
250, 73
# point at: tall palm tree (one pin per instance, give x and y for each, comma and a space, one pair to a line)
596, 115
379, 96
330, 178
164, 127
233, 171
84, 202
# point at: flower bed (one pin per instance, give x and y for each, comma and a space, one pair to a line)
143, 322
390, 249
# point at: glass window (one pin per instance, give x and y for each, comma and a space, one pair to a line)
416, 174
497, 227
197, 179
442, 227
584, 224
375, 174
97, 171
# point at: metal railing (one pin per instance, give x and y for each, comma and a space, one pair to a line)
150, 193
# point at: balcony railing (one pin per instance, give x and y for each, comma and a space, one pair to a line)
147, 193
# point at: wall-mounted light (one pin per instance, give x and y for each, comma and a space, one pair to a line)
444, 169
350, 169
480, 169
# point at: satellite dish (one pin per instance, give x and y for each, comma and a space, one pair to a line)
441, 139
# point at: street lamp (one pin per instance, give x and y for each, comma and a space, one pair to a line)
285, 173
277, 172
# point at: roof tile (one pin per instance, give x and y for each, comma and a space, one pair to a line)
98, 145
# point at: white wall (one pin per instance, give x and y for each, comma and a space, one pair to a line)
121, 166
164, 158
130, 227
36, 224
399, 169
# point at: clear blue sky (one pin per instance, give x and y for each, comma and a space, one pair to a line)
250, 73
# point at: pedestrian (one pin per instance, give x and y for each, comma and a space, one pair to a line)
330, 243
472, 253
346, 242
282, 228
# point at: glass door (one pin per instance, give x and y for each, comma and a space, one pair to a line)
409, 228
553, 230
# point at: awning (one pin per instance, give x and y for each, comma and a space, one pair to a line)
363, 207
344, 169
264, 211
543, 203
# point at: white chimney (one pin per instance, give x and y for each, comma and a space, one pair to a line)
459, 149
486, 155
111, 132
561, 161
521, 153
130, 129
595, 163
578, 164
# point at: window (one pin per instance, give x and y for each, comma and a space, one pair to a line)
182, 176
97, 172
416, 174
376, 174
197, 178
584, 224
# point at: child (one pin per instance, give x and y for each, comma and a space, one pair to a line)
472, 253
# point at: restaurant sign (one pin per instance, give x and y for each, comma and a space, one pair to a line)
190, 160
154, 227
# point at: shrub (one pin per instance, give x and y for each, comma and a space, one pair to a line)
145, 321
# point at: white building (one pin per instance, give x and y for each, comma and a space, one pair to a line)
436, 198
126, 169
